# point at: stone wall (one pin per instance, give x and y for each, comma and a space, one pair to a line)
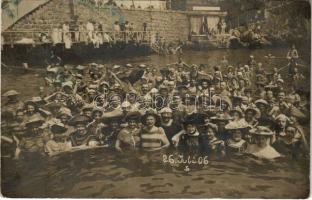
42, 19
171, 25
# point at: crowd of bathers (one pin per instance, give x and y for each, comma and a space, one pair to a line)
217, 111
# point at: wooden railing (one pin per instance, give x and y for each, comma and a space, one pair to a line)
41, 37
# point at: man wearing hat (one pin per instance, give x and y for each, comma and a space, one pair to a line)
87, 110
260, 91
265, 119
111, 129
96, 125
236, 113
252, 114
81, 135
204, 87
167, 123
224, 90
145, 91
179, 110
13, 103
221, 119
291, 142
74, 101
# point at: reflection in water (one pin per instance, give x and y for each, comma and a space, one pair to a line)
104, 173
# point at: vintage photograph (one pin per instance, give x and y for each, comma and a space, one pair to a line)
155, 99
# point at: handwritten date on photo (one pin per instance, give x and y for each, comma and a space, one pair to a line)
182, 159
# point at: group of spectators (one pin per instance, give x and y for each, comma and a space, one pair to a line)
221, 111
95, 33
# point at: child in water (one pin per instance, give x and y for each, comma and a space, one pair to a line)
235, 144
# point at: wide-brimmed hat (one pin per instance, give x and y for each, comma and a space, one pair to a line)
135, 115
53, 105
38, 100
241, 124
67, 84
112, 117
282, 116
200, 81
142, 66
53, 70
79, 119
93, 64
10, 93
86, 107
255, 110
36, 121
165, 110
163, 87
95, 110
238, 110
150, 113
29, 102
261, 101
261, 130
270, 87
221, 117
64, 111
154, 91
190, 119
125, 104
180, 87
79, 76
225, 99
280, 80
80, 67
214, 127
58, 128
116, 66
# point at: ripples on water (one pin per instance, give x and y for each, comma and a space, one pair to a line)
103, 173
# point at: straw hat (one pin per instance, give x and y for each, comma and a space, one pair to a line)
238, 110
165, 110
262, 130
35, 121
261, 101
80, 119
255, 110
87, 107
58, 128
236, 125
135, 115
221, 117
10, 93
